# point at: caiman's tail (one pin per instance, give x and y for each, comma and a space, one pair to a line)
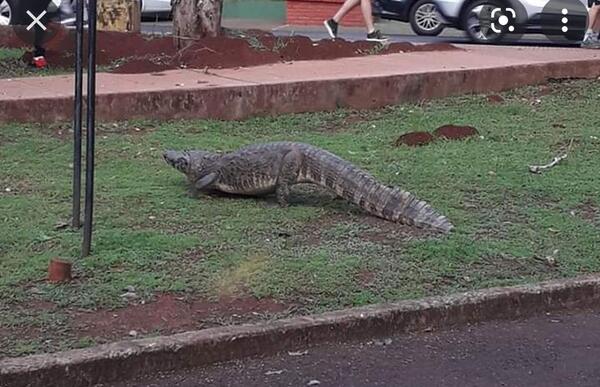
362, 189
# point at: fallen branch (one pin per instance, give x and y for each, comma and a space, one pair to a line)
541, 168
555, 160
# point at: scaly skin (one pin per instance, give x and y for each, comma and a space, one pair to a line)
273, 167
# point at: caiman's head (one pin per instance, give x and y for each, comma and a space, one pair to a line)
181, 161
190, 162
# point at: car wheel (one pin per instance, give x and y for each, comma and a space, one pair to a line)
7, 12
476, 21
424, 18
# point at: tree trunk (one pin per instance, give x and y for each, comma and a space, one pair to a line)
119, 15
195, 19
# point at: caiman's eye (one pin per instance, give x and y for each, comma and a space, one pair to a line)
182, 163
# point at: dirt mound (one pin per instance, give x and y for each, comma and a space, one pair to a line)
494, 98
448, 132
136, 53
454, 132
414, 139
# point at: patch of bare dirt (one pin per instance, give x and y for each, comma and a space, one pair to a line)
61, 132
18, 187
494, 99
499, 267
171, 314
535, 95
566, 144
589, 212
365, 278
496, 221
544, 90
505, 266
414, 139
64, 131
27, 310
386, 232
455, 132
137, 53
346, 123
374, 229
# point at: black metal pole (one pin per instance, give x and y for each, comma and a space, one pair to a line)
76, 219
91, 130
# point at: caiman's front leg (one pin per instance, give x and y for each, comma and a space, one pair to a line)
288, 175
203, 184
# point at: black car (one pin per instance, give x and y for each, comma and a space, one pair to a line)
421, 14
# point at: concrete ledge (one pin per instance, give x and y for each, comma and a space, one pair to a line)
127, 359
277, 89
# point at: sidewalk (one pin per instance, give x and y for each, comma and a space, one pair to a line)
365, 82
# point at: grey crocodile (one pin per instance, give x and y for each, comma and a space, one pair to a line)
261, 169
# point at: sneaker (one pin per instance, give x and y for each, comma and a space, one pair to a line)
376, 36
73, 26
68, 21
332, 27
590, 41
39, 62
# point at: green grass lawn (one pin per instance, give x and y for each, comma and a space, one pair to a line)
321, 253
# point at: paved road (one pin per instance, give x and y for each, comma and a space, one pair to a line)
398, 32
549, 350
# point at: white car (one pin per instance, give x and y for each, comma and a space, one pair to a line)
6, 12
150, 8
489, 21
156, 8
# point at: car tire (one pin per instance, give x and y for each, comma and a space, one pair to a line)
474, 19
7, 12
424, 20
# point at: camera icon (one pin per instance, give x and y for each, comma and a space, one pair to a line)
503, 20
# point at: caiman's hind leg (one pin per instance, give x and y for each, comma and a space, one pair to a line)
288, 175
202, 184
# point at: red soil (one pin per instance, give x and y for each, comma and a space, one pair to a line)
494, 98
453, 132
137, 53
414, 139
168, 314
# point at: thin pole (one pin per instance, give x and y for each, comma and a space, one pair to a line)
76, 219
91, 130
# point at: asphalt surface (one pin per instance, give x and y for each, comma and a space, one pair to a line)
559, 349
396, 31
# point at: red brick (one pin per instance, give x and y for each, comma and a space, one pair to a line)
313, 12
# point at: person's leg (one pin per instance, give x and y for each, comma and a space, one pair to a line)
26, 8
344, 9
332, 24
595, 18
67, 15
373, 35
39, 35
590, 40
35, 8
367, 11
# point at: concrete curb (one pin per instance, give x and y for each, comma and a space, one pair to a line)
128, 359
243, 101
